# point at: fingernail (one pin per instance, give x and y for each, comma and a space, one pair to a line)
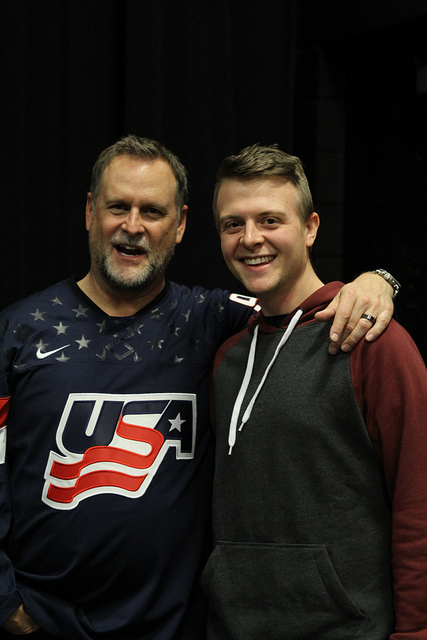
346, 348
334, 337
333, 349
370, 337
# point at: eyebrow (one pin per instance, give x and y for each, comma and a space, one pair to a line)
123, 200
267, 212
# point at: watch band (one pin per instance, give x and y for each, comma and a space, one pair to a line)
390, 279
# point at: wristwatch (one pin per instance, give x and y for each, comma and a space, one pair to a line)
392, 281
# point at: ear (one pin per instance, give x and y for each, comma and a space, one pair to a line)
89, 211
181, 224
312, 226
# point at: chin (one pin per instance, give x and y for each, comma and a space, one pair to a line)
122, 282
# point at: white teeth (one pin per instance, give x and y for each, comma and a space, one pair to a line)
258, 260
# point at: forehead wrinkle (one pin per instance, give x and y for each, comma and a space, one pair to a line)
127, 177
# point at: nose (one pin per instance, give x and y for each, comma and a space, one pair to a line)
133, 224
251, 235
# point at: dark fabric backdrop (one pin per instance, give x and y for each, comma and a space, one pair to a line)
325, 80
205, 78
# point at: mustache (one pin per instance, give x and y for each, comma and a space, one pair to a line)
137, 243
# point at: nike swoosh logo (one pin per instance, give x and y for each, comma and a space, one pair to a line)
45, 354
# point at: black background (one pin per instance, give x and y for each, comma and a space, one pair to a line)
342, 85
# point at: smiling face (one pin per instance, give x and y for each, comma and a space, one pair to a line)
265, 243
133, 226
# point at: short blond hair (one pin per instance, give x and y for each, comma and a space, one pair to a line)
258, 162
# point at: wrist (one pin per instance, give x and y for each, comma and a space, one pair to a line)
396, 286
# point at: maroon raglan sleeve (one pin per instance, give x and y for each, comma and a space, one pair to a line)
390, 382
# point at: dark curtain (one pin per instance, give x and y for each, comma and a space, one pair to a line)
341, 85
364, 80
386, 182
205, 78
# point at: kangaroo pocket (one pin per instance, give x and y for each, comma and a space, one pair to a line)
279, 592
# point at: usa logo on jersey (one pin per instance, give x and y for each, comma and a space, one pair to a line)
112, 443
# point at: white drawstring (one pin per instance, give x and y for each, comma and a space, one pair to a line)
242, 391
247, 378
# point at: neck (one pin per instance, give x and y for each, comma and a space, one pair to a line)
116, 303
282, 303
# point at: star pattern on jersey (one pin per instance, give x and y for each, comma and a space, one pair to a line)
156, 343
42, 345
174, 330
81, 311
156, 313
83, 343
130, 332
61, 328
114, 338
62, 358
102, 326
38, 315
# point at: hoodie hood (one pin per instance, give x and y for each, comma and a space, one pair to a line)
311, 305
303, 314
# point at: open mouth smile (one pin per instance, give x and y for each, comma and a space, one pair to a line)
129, 250
256, 260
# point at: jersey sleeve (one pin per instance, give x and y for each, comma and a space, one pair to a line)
240, 308
9, 598
390, 381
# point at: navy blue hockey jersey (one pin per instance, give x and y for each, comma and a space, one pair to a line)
109, 461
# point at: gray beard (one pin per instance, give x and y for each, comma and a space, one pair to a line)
140, 281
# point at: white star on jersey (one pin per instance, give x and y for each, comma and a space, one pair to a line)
176, 423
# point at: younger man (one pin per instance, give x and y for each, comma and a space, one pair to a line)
320, 488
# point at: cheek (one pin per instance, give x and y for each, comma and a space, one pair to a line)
95, 231
227, 245
160, 237
99, 235
105, 228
